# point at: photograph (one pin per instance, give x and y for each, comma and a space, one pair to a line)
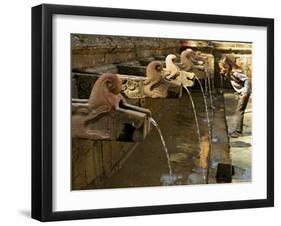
151, 111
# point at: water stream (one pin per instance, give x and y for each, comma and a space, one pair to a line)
155, 124
209, 88
221, 84
208, 123
195, 114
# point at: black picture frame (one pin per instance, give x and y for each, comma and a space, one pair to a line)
42, 111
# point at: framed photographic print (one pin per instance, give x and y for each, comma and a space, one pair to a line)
146, 112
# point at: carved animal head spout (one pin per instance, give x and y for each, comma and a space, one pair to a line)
155, 85
171, 68
107, 115
189, 58
186, 59
106, 92
154, 71
173, 72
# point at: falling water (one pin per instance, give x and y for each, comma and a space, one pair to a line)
221, 88
206, 85
194, 112
209, 87
155, 124
205, 102
208, 122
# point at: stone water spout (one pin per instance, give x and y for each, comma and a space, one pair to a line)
173, 72
154, 85
190, 61
107, 116
195, 62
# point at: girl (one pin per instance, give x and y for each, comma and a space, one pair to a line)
241, 84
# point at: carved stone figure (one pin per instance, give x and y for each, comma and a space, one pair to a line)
149, 87
190, 60
155, 84
107, 115
197, 63
172, 71
106, 92
132, 88
186, 59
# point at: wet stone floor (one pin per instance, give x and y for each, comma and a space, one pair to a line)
240, 148
147, 165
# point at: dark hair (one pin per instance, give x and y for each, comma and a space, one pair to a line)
231, 61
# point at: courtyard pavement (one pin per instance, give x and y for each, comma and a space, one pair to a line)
240, 148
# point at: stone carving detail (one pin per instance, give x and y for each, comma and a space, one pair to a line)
107, 116
154, 85
173, 71
186, 59
132, 88
191, 60
196, 62
106, 92
84, 85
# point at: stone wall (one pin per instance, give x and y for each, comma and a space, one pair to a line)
96, 50
93, 161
